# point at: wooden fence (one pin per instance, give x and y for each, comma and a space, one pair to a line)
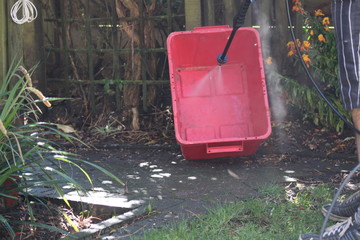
90, 48
10, 50
83, 48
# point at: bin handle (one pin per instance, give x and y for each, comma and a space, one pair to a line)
215, 148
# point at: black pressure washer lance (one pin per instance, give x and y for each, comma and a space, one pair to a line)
238, 21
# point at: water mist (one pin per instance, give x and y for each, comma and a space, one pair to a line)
275, 90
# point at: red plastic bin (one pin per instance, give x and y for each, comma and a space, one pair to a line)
219, 111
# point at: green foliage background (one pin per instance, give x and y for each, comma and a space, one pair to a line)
324, 67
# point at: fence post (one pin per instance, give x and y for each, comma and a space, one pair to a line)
116, 62
282, 35
15, 44
271, 19
230, 11
209, 13
63, 37
90, 60
40, 71
192, 14
3, 40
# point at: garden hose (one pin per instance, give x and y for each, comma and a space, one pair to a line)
347, 179
238, 21
28, 11
349, 124
343, 184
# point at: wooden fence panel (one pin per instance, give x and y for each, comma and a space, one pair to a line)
85, 47
193, 14
3, 40
103, 46
15, 42
11, 43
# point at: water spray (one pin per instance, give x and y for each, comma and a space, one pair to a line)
238, 22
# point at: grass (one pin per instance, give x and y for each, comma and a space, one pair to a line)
278, 213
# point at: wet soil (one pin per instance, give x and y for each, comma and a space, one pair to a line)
51, 213
294, 136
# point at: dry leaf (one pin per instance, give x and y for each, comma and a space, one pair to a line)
66, 128
234, 175
312, 146
151, 142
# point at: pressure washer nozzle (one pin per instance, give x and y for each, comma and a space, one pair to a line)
221, 60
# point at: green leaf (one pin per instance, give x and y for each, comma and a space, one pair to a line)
7, 226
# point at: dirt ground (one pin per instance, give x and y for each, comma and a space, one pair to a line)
293, 133
292, 136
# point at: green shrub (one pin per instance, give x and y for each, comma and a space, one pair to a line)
320, 55
26, 155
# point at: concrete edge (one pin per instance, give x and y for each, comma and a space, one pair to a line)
107, 225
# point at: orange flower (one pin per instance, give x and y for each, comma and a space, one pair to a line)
297, 6
326, 28
326, 21
290, 45
306, 45
295, 9
312, 32
291, 53
306, 59
321, 38
319, 13
269, 60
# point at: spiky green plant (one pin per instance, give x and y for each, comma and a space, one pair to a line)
26, 155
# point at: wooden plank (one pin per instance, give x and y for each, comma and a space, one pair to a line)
15, 38
249, 15
90, 57
312, 6
271, 17
105, 19
33, 45
234, 8
169, 17
104, 50
144, 57
281, 34
3, 40
113, 81
116, 62
192, 14
209, 13
65, 60
230, 11
40, 72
